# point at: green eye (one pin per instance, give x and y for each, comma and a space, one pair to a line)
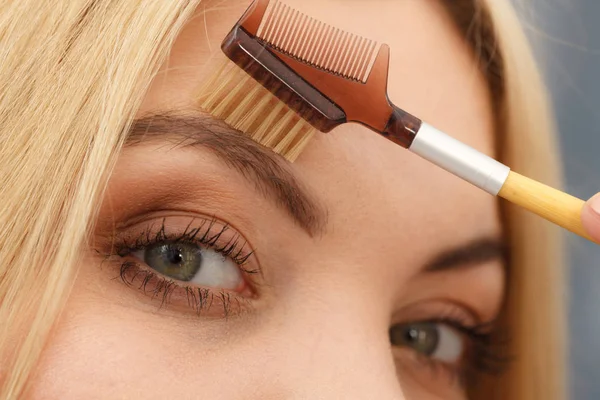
188, 262
421, 337
431, 339
179, 261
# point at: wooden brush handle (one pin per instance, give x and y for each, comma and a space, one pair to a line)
555, 206
497, 179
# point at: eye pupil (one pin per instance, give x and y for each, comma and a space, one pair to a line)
412, 335
173, 255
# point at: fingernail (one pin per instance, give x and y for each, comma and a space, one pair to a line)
595, 204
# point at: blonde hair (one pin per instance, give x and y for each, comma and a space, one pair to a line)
534, 313
73, 75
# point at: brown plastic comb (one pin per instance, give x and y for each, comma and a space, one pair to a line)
312, 75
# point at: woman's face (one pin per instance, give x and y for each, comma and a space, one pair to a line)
358, 272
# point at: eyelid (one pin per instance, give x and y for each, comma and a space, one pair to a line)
438, 310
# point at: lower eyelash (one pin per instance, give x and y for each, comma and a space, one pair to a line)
200, 300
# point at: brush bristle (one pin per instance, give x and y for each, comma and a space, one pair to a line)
244, 104
316, 43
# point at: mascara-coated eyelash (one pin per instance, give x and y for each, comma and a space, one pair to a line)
195, 266
209, 233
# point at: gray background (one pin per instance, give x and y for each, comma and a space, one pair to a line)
566, 37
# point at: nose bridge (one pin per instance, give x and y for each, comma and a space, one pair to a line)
340, 351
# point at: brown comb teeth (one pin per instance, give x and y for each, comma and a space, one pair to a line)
328, 48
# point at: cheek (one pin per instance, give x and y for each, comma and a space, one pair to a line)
104, 356
94, 355
102, 349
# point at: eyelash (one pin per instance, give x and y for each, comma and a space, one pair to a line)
198, 299
234, 248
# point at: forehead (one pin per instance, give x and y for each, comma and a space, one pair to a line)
432, 75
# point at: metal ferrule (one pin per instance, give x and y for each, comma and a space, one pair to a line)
460, 159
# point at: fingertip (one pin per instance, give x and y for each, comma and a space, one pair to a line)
590, 216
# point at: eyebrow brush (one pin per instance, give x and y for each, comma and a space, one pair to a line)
288, 76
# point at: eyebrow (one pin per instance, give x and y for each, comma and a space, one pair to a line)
476, 252
266, 170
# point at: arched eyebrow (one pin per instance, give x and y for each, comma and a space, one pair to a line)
269, 173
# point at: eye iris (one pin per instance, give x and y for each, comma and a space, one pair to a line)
177, 261
423, 338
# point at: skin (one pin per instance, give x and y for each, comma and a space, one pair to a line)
591, 217
317, 323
